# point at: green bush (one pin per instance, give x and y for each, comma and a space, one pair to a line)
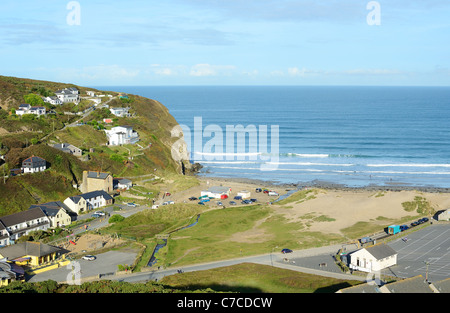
116, 218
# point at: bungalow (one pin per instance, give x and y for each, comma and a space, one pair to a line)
34, 164
22, 223
123, 183
57, 212
28, 109
30, 253
217, 192
120, 112
121, 135
68, 148
373, 259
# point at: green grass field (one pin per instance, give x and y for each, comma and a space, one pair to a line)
256, 278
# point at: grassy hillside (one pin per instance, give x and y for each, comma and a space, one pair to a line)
21, 137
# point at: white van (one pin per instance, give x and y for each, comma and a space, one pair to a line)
273, 193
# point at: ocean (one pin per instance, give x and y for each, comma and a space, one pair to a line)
352, 136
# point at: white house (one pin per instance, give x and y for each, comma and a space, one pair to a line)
68, 95
120, 112
217, 192
52, 100
373, 259
22, 223
28, 109
34, 164
124, 183
90, 93
121, 135
97, 199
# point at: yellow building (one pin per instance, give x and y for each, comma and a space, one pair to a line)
93, 181
30, 253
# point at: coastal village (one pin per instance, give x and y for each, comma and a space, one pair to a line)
100, 189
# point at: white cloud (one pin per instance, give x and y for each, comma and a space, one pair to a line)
211, 70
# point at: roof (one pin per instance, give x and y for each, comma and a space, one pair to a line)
124, 181
381, 251
416, 284
96, 193
442, 285
97, 175
75, 199
361, 288
32, 248
17, 218
34, 159
52, 208
218, 189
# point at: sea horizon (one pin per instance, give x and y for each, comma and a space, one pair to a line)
353, 136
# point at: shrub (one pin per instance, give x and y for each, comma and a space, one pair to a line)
116, 218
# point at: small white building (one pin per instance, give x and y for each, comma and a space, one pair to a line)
121, 135
124, 184
28, 109
217, 192
444, 216
120, 112
373, 259
54, 100
245, 194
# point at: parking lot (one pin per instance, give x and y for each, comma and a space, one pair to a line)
105, 264
425, 248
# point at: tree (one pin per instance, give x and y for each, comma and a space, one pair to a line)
33, 99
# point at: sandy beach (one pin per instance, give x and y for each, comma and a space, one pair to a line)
342, 207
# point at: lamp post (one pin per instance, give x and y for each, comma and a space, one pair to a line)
271, 259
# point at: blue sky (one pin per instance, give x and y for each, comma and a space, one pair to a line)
227, 42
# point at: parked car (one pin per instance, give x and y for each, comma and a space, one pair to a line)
89, 257
403, 227
100, 213
414, 223
253, 200
423, 220
219, 203
193, 198
232, 203
238, 198
284, 251
246, 202
273, 193
95, 215
170, 202
201, 203
258, 190
131, 204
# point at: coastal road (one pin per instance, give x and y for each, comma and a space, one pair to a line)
275, 259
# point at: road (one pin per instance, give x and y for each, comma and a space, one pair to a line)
276, 259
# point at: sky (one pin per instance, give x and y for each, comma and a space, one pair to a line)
227, 42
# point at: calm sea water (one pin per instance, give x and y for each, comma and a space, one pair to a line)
355, 136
